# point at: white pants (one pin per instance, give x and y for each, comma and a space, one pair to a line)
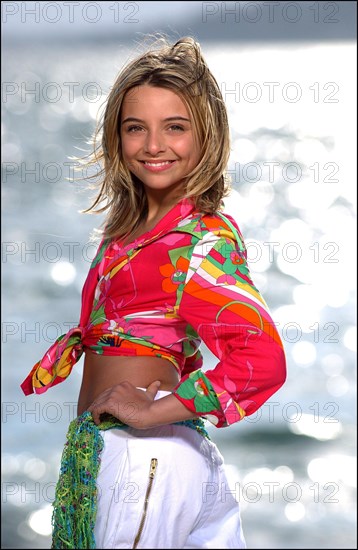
189, 503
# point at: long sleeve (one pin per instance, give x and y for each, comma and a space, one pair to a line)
221, 303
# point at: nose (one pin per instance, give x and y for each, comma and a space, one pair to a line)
154, 143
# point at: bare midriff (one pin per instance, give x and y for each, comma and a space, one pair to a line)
101, 372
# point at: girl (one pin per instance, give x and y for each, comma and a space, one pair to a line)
139, 469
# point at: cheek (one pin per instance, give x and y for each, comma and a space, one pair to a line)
193, 153
185, 147
127, 155
129, 148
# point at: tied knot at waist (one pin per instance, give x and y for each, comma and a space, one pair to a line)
56, 364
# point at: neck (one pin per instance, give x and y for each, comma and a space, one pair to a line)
159, 206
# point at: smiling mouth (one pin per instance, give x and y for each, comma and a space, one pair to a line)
155, 164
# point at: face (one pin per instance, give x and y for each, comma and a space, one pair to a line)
158, 143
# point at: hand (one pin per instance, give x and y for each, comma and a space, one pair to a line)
127, 403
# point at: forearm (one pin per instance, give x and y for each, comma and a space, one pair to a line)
167, 410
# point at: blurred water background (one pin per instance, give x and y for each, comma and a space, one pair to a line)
288, 76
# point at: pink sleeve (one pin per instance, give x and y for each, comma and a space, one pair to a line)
222, 304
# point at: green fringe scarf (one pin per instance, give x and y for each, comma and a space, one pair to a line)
75, 503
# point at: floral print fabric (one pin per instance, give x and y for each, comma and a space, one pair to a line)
184, 282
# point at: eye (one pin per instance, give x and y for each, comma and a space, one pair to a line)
176, 128
134, 128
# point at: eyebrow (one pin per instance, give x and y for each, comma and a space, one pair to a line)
169, 119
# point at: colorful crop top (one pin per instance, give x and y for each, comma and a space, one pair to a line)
184, 282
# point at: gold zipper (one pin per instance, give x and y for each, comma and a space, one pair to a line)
152, 470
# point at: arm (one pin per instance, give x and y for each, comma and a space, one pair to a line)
222, 304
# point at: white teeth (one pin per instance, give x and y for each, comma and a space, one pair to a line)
158, 163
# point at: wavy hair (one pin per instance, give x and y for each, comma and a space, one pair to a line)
181, 68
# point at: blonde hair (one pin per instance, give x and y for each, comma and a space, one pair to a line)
181, 68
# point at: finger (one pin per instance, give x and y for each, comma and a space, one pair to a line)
96, 410
153, 388
94, 414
